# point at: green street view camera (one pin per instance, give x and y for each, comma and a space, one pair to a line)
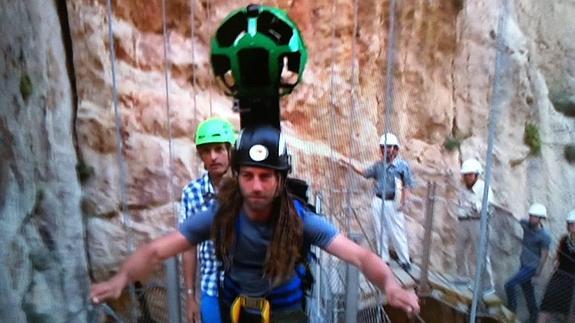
258, 54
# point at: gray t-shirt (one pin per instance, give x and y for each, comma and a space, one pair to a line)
534, 242
397, 169
250, 250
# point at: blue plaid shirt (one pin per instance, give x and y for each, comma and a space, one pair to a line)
196, 197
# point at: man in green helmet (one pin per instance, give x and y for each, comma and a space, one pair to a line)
214, 138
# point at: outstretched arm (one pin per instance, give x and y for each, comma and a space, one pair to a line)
356, 167
140, 265
376, 271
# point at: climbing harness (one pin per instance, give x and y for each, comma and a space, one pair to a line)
245, 304
286, 295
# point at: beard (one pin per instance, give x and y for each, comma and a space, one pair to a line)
258, 202
217, 169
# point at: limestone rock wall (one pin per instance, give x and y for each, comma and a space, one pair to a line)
43, 267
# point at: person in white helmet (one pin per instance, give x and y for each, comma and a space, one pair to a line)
394, 180
468, 229
559, 292
535, 248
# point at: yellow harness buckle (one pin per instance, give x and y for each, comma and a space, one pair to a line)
259, 304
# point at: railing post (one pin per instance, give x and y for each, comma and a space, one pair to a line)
173, 290
352, 287
429, 212
317, 286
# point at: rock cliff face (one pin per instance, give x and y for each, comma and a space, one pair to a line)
444, 71
43, 271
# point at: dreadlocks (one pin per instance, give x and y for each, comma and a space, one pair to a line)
283, 253
223, 228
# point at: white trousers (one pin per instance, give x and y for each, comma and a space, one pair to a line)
393, 229
466, 247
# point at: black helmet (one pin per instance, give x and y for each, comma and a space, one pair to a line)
262, 146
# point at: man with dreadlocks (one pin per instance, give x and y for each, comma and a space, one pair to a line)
262, 236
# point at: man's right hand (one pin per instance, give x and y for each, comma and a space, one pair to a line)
110, 289
403, 299
193, 310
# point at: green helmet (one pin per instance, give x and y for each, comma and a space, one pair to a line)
215, 130
251, 49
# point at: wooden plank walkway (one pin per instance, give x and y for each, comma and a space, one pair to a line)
456, 296
450, 299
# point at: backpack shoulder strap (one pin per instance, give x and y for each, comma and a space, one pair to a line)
299, 207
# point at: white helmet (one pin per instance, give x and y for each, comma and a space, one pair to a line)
388, 139
471, 166
571, 216
538, 210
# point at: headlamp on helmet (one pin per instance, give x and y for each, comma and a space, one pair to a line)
262, 146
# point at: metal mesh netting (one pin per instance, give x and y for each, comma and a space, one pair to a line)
327, 302
150, 306
336, 282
